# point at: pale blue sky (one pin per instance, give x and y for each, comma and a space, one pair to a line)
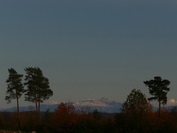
90, 48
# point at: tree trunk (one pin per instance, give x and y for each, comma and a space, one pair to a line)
159, 109
39, 108
36, 106
18, 114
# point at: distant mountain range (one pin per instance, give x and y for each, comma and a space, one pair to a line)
102, 105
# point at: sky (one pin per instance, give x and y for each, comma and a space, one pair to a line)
90, 49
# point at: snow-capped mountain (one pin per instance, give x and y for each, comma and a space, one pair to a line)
102, 105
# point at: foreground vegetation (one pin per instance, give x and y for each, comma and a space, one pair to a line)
68, 120
136, 115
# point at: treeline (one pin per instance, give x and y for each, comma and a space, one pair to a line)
136, 116
66, 119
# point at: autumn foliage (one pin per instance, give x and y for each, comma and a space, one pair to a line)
66, 119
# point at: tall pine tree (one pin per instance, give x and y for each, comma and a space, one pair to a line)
15, 88
38, 89
158, 88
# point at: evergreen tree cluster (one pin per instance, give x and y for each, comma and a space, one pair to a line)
37, 86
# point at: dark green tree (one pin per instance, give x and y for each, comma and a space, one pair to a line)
96, 114
15, 88
136, 102
159, 89
135, 109
38, 89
